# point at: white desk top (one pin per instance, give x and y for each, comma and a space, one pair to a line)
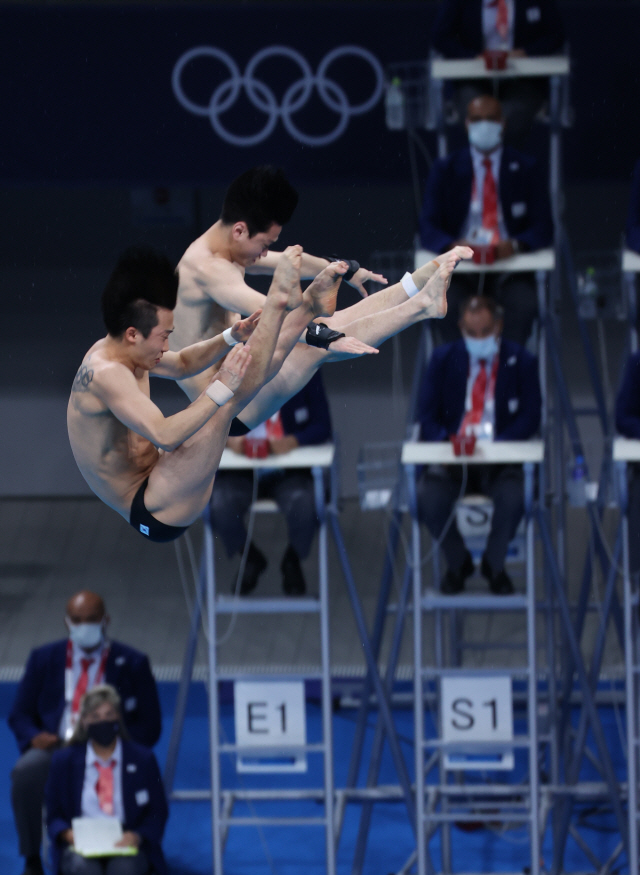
626, 450
542, 259
474, 68
302, 457
486, 453
630, 261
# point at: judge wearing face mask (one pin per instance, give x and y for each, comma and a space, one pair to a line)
47, 703
488, 194
102, 773
488, 386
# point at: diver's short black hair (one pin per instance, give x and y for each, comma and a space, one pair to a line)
260, 197
142, 281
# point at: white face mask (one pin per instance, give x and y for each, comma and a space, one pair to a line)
86, 636
481, 347
485, 135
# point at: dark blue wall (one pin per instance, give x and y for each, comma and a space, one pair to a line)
87, 93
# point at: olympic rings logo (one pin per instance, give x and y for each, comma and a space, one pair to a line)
263, 98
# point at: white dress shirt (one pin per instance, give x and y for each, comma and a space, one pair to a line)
472, 229
90, 807
492, 39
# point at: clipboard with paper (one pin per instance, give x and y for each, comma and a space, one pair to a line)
97, 837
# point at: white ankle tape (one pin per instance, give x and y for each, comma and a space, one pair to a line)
408, 285
227, 337
219, 393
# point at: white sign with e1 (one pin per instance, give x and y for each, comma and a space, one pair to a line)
270, 722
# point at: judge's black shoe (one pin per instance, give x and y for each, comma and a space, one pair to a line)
255, 565
453, 581
33, 866
293, 582
500, 583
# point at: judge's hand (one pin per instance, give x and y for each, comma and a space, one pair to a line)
504, 249
285, 444
67, 836
45, 741
236, 444
129, 840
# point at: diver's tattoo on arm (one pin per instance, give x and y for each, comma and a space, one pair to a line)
82, 379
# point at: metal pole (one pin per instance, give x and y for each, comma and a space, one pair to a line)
185, 682
213, 697
631, 682
418, 697
327, 729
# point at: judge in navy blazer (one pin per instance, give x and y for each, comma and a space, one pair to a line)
521, 191
41, 715
142, 792
512, 411
453, 211
441, 402
40, 701
457, 32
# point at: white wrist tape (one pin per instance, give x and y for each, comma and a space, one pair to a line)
219, 393
227, 337
408, 285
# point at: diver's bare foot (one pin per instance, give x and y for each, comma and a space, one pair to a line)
433, 297
322, 294
423, 274
286, 278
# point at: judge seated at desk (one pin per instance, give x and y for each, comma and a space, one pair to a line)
520, 29
302, 421
493, 198
628, 425
487, 386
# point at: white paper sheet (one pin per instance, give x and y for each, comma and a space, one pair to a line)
97, 836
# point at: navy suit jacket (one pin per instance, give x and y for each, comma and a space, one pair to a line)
457, 29
628, 400
443, 392
143, 798
306, 415
633, 218
522, 191
39, 702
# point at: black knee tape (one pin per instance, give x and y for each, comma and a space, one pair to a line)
319, 334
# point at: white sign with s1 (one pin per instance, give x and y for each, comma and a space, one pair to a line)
476, 710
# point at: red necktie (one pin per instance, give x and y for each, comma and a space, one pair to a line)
104, 786
275, 431
81, 686
489, 200
478, 392
502, 19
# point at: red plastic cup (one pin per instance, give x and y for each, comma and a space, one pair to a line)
495, 59
484, 254
463, 444
256, 448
